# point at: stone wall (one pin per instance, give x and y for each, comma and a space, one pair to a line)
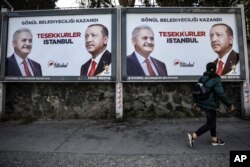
169, 100
97, 100
60, 100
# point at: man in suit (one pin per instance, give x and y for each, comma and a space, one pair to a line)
221, 37
140, 63
18, 64
96, 40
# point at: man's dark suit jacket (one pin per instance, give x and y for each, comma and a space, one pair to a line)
105, 60
232, 59
134, 68
12, 68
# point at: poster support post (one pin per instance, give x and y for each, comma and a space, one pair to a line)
245, 89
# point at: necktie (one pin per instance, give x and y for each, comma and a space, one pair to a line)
150, 69
26, 69
220, 68
92, 69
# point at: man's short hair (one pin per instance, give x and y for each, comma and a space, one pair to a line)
229, 30
139, 28
105, 31
19, 31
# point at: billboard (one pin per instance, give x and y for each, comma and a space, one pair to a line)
74, 45
179, 42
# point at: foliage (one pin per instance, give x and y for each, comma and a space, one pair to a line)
30, 4
176, 3
99, 3
125, 3
50, 4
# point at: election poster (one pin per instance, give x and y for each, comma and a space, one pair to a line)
179, 45
60, 47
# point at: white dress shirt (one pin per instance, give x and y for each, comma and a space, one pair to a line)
21, 65
143, 64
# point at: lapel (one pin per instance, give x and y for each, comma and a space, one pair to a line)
105, 60
86, 67
157, 66
14, 66
137, 66
232, 60
33, 68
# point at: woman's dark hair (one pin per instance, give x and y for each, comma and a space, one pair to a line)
211, 69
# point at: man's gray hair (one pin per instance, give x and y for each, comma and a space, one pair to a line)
19, 31
139, 28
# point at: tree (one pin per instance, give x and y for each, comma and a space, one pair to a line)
125, 3
99, 3
50, 4
30, 4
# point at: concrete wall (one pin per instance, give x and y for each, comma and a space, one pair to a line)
97, 100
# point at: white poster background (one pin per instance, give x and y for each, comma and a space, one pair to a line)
198, 53
75, 55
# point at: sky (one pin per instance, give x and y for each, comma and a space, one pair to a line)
66, 3
72, 3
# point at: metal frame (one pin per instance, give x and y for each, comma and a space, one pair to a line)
204, 10
7, 15
245, 87
119, 84
117, 37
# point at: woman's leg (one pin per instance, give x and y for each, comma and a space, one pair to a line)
210, 124
213, 125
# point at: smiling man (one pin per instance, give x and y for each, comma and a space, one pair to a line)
221, 38
96, 40
18, 64
140, 62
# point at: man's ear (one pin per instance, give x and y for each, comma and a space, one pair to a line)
13, 44
231, 39
133, 41
106, 38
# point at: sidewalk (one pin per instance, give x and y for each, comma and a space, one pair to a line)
134, 143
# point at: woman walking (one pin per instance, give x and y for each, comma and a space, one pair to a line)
214, 86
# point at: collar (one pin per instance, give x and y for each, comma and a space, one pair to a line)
224, 58
19, 59
98, 57
142, 59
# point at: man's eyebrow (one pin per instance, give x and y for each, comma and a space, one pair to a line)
148, 37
